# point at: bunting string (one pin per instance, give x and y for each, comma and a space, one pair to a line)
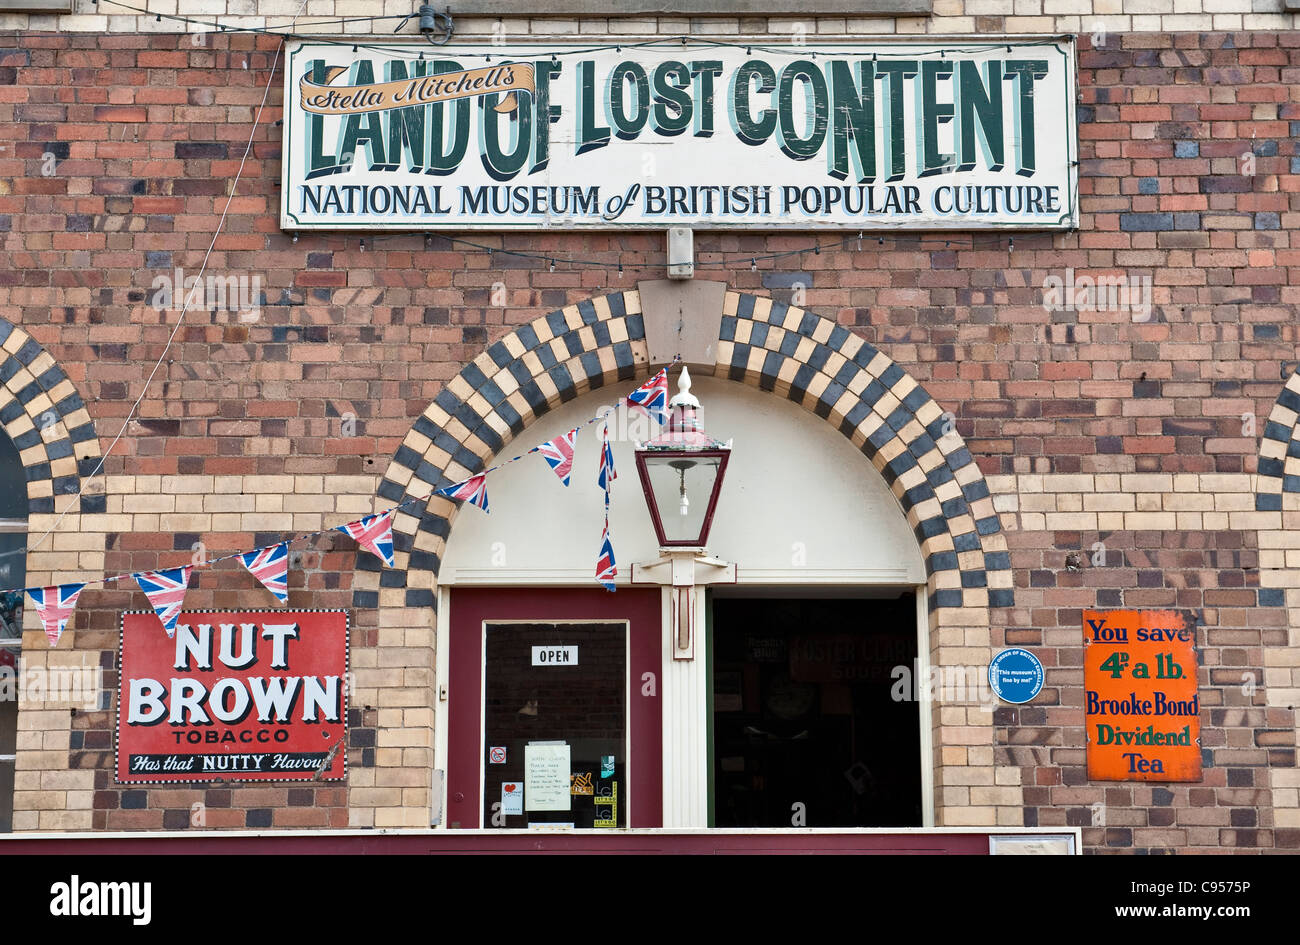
165, 588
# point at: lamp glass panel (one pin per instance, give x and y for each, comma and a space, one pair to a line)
668, 474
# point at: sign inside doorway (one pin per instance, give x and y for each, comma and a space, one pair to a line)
1141, 705
892, 135
244, 695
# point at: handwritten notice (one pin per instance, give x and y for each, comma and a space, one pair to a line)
546, 777
1141, 705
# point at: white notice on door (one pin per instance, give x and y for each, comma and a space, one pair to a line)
555, 656
546, 777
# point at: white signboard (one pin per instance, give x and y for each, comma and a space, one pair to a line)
546, 777
555, 656
901, 135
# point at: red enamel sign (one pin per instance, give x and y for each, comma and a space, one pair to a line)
235, 696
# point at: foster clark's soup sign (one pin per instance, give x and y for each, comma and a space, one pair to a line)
897, 135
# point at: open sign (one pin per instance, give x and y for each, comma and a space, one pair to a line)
555, 656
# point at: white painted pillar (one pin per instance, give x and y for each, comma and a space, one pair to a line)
684, 696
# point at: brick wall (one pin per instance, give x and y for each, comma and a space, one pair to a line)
1091, 428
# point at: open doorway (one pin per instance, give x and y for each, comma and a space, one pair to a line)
806, 729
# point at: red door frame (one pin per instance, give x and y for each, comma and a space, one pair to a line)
471, 607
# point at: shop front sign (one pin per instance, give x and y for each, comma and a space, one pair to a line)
895, 135
1141, 704
242, 696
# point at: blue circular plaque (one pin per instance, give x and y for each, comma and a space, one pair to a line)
1016, 675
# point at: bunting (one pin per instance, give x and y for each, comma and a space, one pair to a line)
606, 570
607, 473
166, 593
55, 606
271, 567
473, 490
652, 396
374, 533
558, 454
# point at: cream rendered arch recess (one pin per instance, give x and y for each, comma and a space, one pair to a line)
800, 505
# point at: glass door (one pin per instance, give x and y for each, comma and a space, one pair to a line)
553, 709
555, 724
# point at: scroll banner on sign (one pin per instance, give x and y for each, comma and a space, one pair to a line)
976, 134
321, 99
1141, 702
243, 696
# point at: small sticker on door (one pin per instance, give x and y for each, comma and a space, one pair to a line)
497, 756
580, 784
512, 797
606, 766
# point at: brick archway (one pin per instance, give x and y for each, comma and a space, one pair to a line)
791, 352
48, 422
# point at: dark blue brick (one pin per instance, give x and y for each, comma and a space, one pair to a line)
157, 259
1270, 467
392, 577
745, 306
590, 362
527, 337
419, 597
28, 352
941, 561
954, 507
1002, 597
635, 327
58, 449
1268, 220
588, 312
786, 280
1146, 222
1187, 149
974, 579
555, 321
1149, 185
968, 541
1275, 431
1268, 502
945, 598
1272, 597
758, 334
997, 560
90, 505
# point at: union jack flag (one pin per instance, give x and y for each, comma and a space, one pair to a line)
652, 396
607, 473
605, 567
374, 533
55, 606
472, 490
271, 567
166, 593
558, 454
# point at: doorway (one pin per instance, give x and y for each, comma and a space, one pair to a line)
553, 709
809, 727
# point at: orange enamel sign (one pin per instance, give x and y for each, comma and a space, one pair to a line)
1141, 707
